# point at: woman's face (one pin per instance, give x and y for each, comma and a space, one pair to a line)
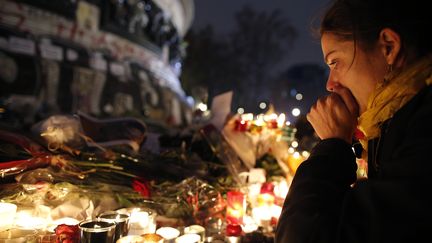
353, 68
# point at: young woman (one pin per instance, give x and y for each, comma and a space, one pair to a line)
380, 57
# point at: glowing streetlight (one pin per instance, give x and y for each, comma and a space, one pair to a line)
299, 96
262, 105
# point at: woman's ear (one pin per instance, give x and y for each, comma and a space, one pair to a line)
390, 45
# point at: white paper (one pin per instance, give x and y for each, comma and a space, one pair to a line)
220, 109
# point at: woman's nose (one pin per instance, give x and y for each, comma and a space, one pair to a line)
331, 83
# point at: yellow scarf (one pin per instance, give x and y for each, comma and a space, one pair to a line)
390, 96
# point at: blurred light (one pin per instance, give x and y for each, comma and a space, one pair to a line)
190, 100
262, 105
281, 120
288, 123
299, 96
202, 106
259, 120
294, 144
305, 154
247, 116
291, 150
240, 110
295, 112
293, 92
296, 155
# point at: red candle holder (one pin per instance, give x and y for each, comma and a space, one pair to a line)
236, 206
241, 125
266, 196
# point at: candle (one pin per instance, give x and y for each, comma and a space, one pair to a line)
168, 233
7, 215
97, 230
131, 239
25, 221
121, 221
196, 229
236, 205
18, 236
141, 221
241, 125
152, 238
188, 238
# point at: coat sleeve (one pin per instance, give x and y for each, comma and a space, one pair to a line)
311, 211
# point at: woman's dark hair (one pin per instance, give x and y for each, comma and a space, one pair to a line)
362, 21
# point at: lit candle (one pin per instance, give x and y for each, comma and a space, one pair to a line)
25, 221
152, 238
188, 238
236, 205
121, 221
141, 221
168, 233
97, 231
131, 239
7, 215
196, 229
18, 236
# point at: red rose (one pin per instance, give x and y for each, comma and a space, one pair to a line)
67, 233
141, 187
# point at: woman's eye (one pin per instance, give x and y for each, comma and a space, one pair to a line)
332, 64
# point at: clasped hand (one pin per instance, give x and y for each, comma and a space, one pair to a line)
335, 115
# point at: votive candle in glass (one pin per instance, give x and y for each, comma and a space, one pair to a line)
188, 238
152, 238
131, 239
142, 220
121, 220
168, 233
97, 231
236, 206
196, 229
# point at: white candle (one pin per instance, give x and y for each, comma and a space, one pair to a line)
141, 221
262, 213
18, 236
7, 215
196, 229
188, 238
131, 239
26, 221
168, 233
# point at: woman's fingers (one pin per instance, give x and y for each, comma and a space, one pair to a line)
348, 99
331, 117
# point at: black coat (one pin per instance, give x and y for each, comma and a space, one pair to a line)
326, 203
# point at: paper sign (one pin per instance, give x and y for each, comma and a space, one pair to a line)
220, 109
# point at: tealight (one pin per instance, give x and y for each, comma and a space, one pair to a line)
196, 229
152, 238
188, 238
168, 233
131, 239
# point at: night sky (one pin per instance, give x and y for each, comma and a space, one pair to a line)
300, 13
